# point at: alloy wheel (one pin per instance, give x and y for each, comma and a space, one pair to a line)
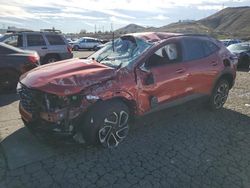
114, 130
221, 95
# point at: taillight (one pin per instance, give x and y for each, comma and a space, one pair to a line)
34, 58
69, 49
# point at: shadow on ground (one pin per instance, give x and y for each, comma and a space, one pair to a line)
171, 130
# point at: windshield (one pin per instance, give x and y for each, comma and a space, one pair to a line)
121, 52
239, 47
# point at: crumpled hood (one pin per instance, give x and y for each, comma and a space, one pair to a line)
67, 77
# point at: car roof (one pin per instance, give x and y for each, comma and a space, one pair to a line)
88, 38
159, 36
32, 32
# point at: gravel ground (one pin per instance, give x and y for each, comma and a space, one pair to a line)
186, 146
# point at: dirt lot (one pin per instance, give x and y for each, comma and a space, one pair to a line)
186, 146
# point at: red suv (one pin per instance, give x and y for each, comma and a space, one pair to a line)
93, 99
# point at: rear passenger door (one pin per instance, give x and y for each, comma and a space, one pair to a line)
202, 61
36, 42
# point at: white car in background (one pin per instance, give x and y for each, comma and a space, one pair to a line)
85, 43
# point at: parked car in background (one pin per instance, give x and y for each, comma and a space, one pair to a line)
139, 73
242, 51
85, 43
50, 46
13, 63
69, 40
99, 47
228, 42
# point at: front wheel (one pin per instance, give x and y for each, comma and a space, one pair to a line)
106, 123
75, 48
219, 95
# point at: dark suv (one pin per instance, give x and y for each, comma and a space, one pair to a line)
50, 46
95, 98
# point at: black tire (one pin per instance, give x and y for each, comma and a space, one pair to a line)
94, 48
106, 123
219, 95
8, 81
51, 59
76, 48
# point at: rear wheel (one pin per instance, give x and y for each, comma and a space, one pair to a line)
8, 81
219, 95
106, 123
76, 48
51, 58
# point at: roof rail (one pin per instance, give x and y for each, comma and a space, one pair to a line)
51, 30
17, 31
193, 34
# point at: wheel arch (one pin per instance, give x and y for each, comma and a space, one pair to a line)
227, 75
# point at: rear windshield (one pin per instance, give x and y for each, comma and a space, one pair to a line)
55, 40
239, 47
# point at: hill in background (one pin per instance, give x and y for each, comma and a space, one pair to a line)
229, 22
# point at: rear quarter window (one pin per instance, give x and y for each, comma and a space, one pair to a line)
209, 47
196, 48
193, 49
55, 40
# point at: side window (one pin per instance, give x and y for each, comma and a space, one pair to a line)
35, 40
193, 49
14, 40
209, 47
88, 40
55, 40
170, 53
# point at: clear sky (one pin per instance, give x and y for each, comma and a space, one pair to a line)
74, 15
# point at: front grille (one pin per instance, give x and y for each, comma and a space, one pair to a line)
27, 96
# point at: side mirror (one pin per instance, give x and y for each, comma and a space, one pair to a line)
144, 68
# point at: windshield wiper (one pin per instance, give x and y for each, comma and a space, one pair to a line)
103, 59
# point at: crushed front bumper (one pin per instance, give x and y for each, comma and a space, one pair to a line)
49, 123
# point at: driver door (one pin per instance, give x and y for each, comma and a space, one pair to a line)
162, 78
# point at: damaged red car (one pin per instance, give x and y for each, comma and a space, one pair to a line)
93, 99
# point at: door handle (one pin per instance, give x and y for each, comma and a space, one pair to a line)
44, 48
180, 71
214, 63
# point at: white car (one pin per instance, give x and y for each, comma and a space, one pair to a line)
85, 43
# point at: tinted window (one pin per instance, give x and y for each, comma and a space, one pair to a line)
55, 40
209, 47
35, 40
193, 49
88, 40
14, 40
